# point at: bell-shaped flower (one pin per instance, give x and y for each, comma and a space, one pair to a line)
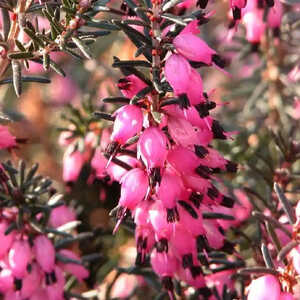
169, 190
152, 147
44, 253
193, 48
31, 282
61, 215
128, 123
131, 85
76, 269
264, 288
177, 72
19, 256
255, 27
5, 239
134, 186
72, 165
165, 265
7, 140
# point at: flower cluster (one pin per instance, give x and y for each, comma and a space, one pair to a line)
33, 259
166, 165
257, 15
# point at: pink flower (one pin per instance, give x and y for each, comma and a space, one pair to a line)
6, 139
79, 271
152, 147
264, 288
133, 189
131, 85
6, 239
44, 253
255, 27
193, 48
72, 164
61, 215
19, 257
128, 123
177, 71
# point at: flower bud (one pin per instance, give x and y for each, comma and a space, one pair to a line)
128, 123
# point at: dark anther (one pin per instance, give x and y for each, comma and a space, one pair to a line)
254, 47
202, 243
228, 247
18, 284
212, 192
202, 3
196, 271
53, 277
172, 215
276, 32
155, 176
227, 202
184, 101
162, 245
218, 131
187, 261
200, 151
138, 259
221, 230
236, 12
167, 283
219, 61
203, 171
205, 292
260, 4
48, 280
188, 208
231, 167
270, 3
231, 24
196, 199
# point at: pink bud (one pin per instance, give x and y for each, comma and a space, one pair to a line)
72, 164
19, 256
79, 271
61, 215
6, 239
98, 163
255, 26
6, 139
128, 123
31, 282
193, 48
152, 147
131, 85
275, 15
169, 190
55, 290
165, 265
6, 280
177, 72
158, 220
44, 253
183, 160
264, 288
134, 188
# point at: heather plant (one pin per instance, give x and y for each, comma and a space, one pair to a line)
160, 200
